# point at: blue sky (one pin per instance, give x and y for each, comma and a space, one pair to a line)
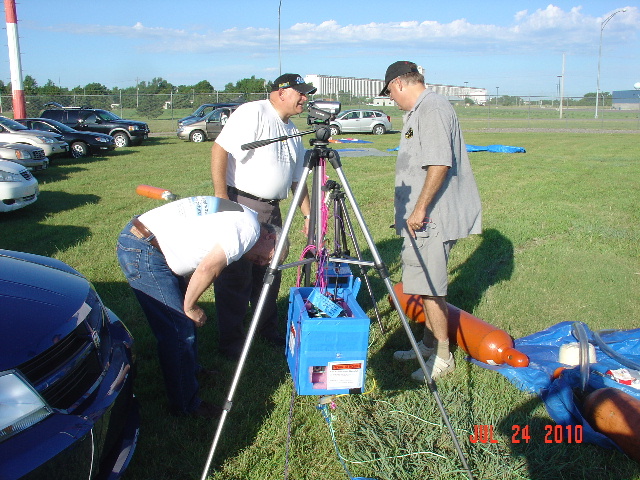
515, 45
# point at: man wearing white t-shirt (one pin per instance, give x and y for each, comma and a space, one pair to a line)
258, 178
170, 255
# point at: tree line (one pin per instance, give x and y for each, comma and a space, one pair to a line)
149, 98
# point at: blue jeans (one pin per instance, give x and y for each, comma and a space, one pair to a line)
160, 293
240, 284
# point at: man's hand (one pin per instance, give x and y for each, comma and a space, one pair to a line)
197, 315
415, 222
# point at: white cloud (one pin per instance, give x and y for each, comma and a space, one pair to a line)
548, 29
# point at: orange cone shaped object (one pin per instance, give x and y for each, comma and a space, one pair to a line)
155, 192
482, 341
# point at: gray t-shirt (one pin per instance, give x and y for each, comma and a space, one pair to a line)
431, 135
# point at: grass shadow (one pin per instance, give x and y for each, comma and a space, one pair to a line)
44, 239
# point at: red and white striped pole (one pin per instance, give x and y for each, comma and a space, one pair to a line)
19, 103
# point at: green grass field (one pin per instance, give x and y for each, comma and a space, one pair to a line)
561, 242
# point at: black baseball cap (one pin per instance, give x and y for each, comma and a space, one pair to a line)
394, 71
295, 81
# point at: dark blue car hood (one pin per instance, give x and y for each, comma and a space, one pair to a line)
39, 297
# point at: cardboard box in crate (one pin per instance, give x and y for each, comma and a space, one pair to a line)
326, 355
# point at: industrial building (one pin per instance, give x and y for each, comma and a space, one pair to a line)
626, 100
333, 86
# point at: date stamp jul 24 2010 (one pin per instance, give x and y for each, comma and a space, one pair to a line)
523, 434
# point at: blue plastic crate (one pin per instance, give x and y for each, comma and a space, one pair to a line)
326, 355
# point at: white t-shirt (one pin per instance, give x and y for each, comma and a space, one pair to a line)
188, 229
267, 171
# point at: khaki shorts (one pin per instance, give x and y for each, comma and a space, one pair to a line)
424, 266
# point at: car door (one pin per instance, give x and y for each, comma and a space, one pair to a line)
368, 119
350, 122
215, 122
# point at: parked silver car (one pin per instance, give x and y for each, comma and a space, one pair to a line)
30, 157
361, 121
18, 188
207, 127
14, 132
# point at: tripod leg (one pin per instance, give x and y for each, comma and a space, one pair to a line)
268, 280
356, 247
382, 269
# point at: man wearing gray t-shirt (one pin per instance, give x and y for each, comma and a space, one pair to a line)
436, 203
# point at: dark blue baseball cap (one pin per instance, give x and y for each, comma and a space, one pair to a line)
295, 81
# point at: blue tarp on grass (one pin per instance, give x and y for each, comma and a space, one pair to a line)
543, 349
350, 140
489, 148
495, 148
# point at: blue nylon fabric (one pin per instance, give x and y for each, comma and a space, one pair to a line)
561, 395
489, 148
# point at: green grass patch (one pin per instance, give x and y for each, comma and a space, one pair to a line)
560, 243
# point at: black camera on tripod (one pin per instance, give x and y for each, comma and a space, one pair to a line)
321, 112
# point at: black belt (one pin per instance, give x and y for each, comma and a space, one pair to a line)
143, 233
235, 191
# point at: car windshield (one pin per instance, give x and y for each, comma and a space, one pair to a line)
200, 111
104, 115
11, 124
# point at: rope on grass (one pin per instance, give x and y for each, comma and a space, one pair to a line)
326, 404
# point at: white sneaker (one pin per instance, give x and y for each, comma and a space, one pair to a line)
436, 367
406, 355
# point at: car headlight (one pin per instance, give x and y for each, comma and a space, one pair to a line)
181, 129
133, 128
21, 405
102, 139
23, 155
10, 177
46, 139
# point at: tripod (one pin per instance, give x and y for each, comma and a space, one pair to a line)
313, 160
341, 220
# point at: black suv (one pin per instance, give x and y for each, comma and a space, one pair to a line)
124, 132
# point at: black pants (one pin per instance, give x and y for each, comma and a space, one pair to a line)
240, 284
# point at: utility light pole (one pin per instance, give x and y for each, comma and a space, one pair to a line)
637, 87
602, 25
279, 56
561, 86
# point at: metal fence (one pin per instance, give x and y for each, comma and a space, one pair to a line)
527, 111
